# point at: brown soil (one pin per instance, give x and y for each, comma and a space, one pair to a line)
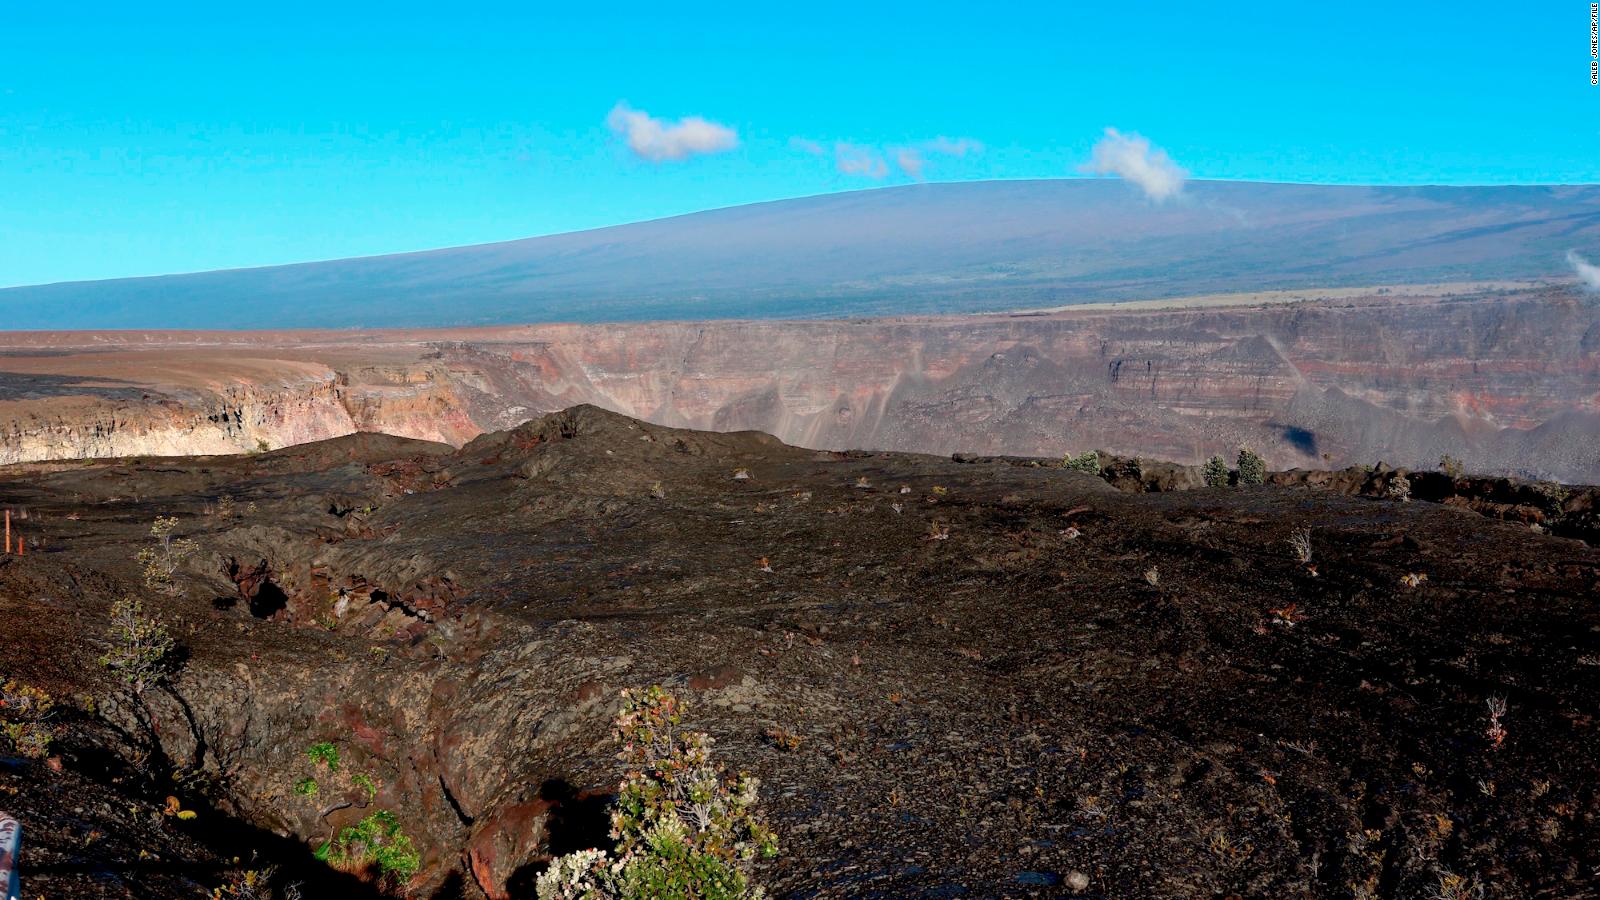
1005, 677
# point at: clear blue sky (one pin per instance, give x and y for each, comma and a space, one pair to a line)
166, 137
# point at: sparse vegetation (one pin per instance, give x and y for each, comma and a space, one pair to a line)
1252, 467
325, 754
253, 884
1451, 466
1496, 732
1216, 472
142, 653
1087, 461
783, 739
684, 829
1300, 543
1551, 491
160, 563
25, 719
1399, 488
1456, 887
375, 847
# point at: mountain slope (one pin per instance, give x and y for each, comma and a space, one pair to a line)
923, 248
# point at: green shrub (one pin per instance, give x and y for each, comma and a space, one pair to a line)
1087, 461
684, 829
1252, 467
25, 719
325, 753
142, 653
375, 845
307, 787
1215, 472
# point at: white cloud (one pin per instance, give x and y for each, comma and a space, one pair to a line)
910, 161
1588, 272
806, 145
659, 140
872, 161
953, 146
853, 159
1131, 157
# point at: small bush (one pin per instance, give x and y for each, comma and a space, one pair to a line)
307, 787
684, 829
375, 845
142, 653
324, 753
25, 719
1451, 466
1252, 467
1087, 461
1399, 488
253, 884
160, 563
1215, 472
1300, 543
1551, 491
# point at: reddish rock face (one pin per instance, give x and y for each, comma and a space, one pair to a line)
1502, 380
500, 844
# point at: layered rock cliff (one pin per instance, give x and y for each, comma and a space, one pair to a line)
1505, 381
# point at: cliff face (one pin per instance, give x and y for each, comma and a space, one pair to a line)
1503, 381
242, 414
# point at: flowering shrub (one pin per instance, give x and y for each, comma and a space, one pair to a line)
683, 827
142, 653
25, 719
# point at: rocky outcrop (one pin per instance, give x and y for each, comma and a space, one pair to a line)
972, 657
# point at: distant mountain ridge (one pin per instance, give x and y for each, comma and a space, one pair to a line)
925, 248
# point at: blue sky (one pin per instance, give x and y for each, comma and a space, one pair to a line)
152, 138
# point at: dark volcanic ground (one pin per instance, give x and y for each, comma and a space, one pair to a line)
1167, 703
